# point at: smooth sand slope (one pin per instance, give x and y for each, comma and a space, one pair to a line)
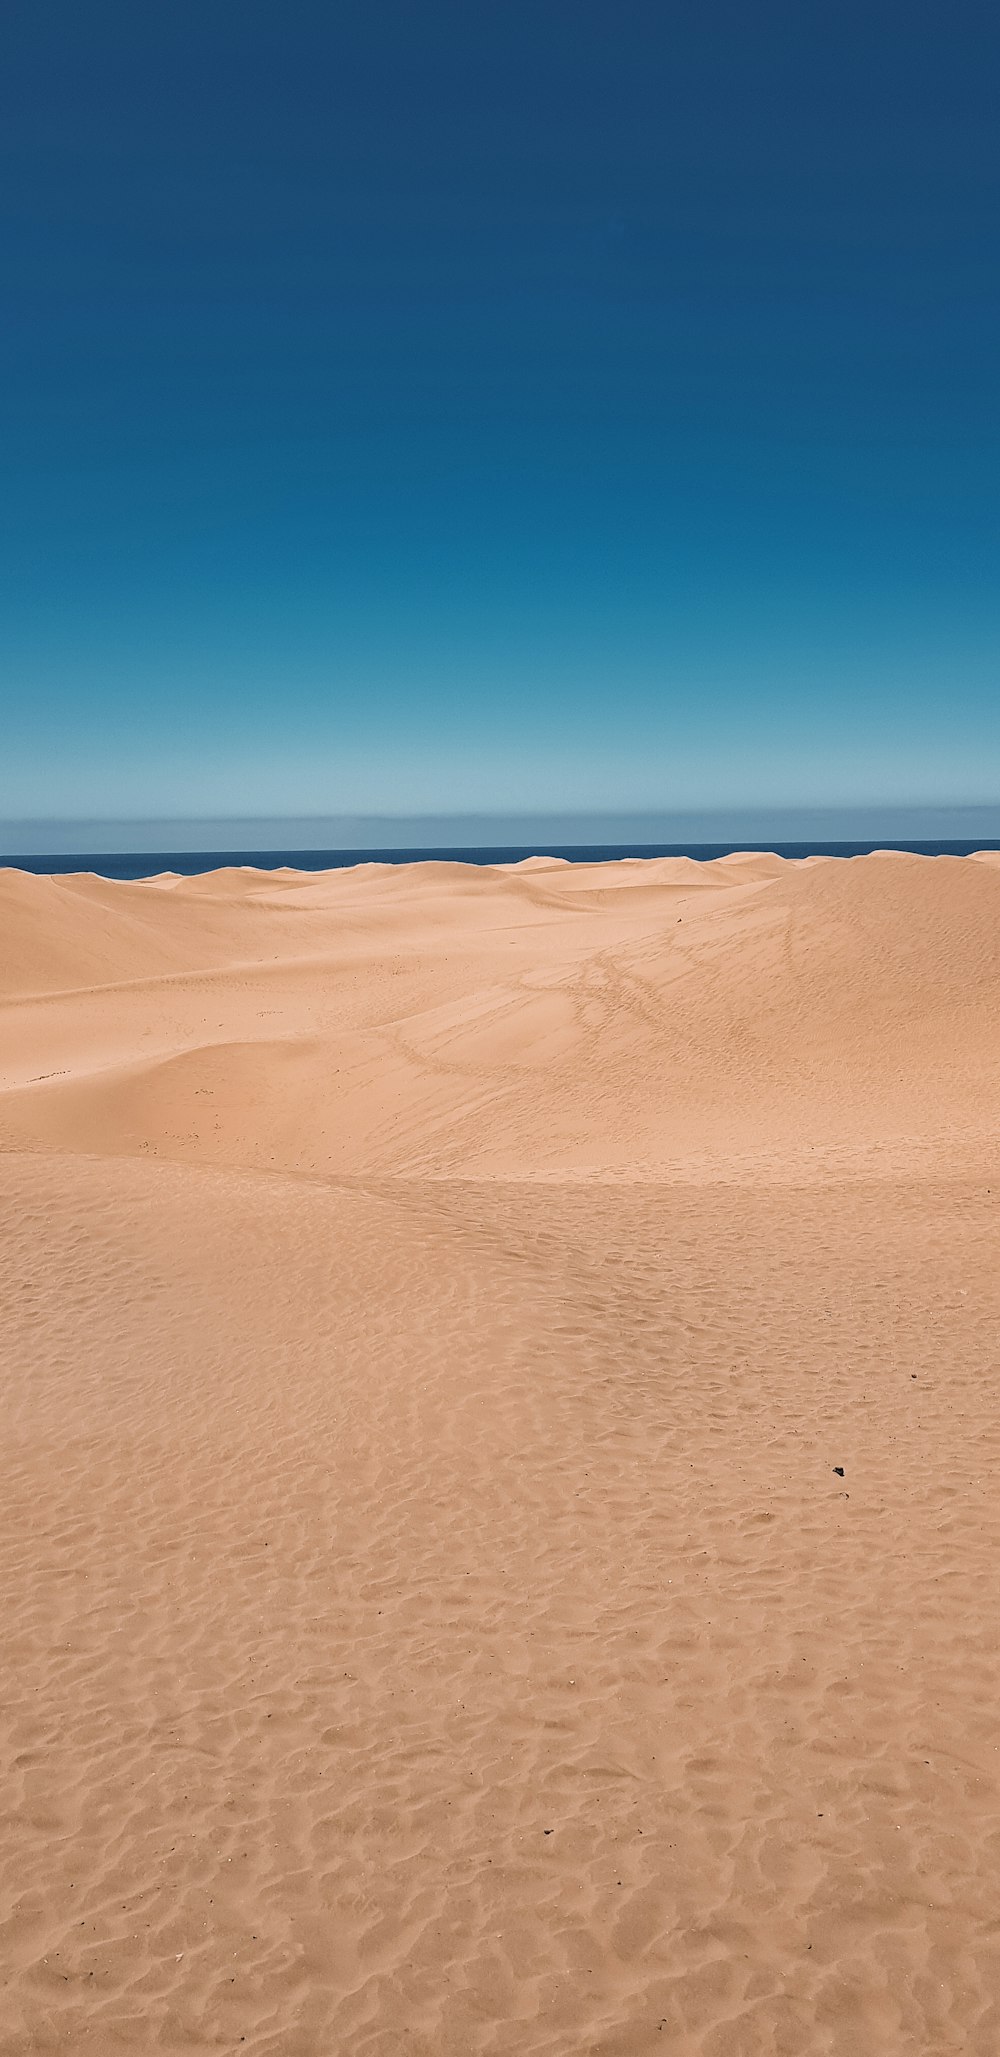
434, 1304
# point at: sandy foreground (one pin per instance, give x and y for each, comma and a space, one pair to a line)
434, 1306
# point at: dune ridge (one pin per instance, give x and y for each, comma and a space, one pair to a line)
498, 1526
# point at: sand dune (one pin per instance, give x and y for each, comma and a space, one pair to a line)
655, 1020
498, 1525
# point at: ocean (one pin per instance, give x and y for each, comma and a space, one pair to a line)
125, 864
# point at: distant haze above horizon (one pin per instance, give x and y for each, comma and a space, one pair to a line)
470, 831
522, 413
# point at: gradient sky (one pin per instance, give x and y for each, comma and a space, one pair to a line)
416, 407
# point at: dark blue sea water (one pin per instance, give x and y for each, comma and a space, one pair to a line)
124, 864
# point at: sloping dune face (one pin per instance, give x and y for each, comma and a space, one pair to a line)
651, 1019
498, 1525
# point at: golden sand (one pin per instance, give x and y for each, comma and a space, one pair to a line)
499, 1520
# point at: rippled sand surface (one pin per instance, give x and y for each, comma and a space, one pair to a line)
499, 1530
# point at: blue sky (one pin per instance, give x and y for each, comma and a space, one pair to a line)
418, 408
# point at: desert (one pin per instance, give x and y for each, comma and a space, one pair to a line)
499, 1523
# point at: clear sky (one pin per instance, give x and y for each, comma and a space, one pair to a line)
423, 407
